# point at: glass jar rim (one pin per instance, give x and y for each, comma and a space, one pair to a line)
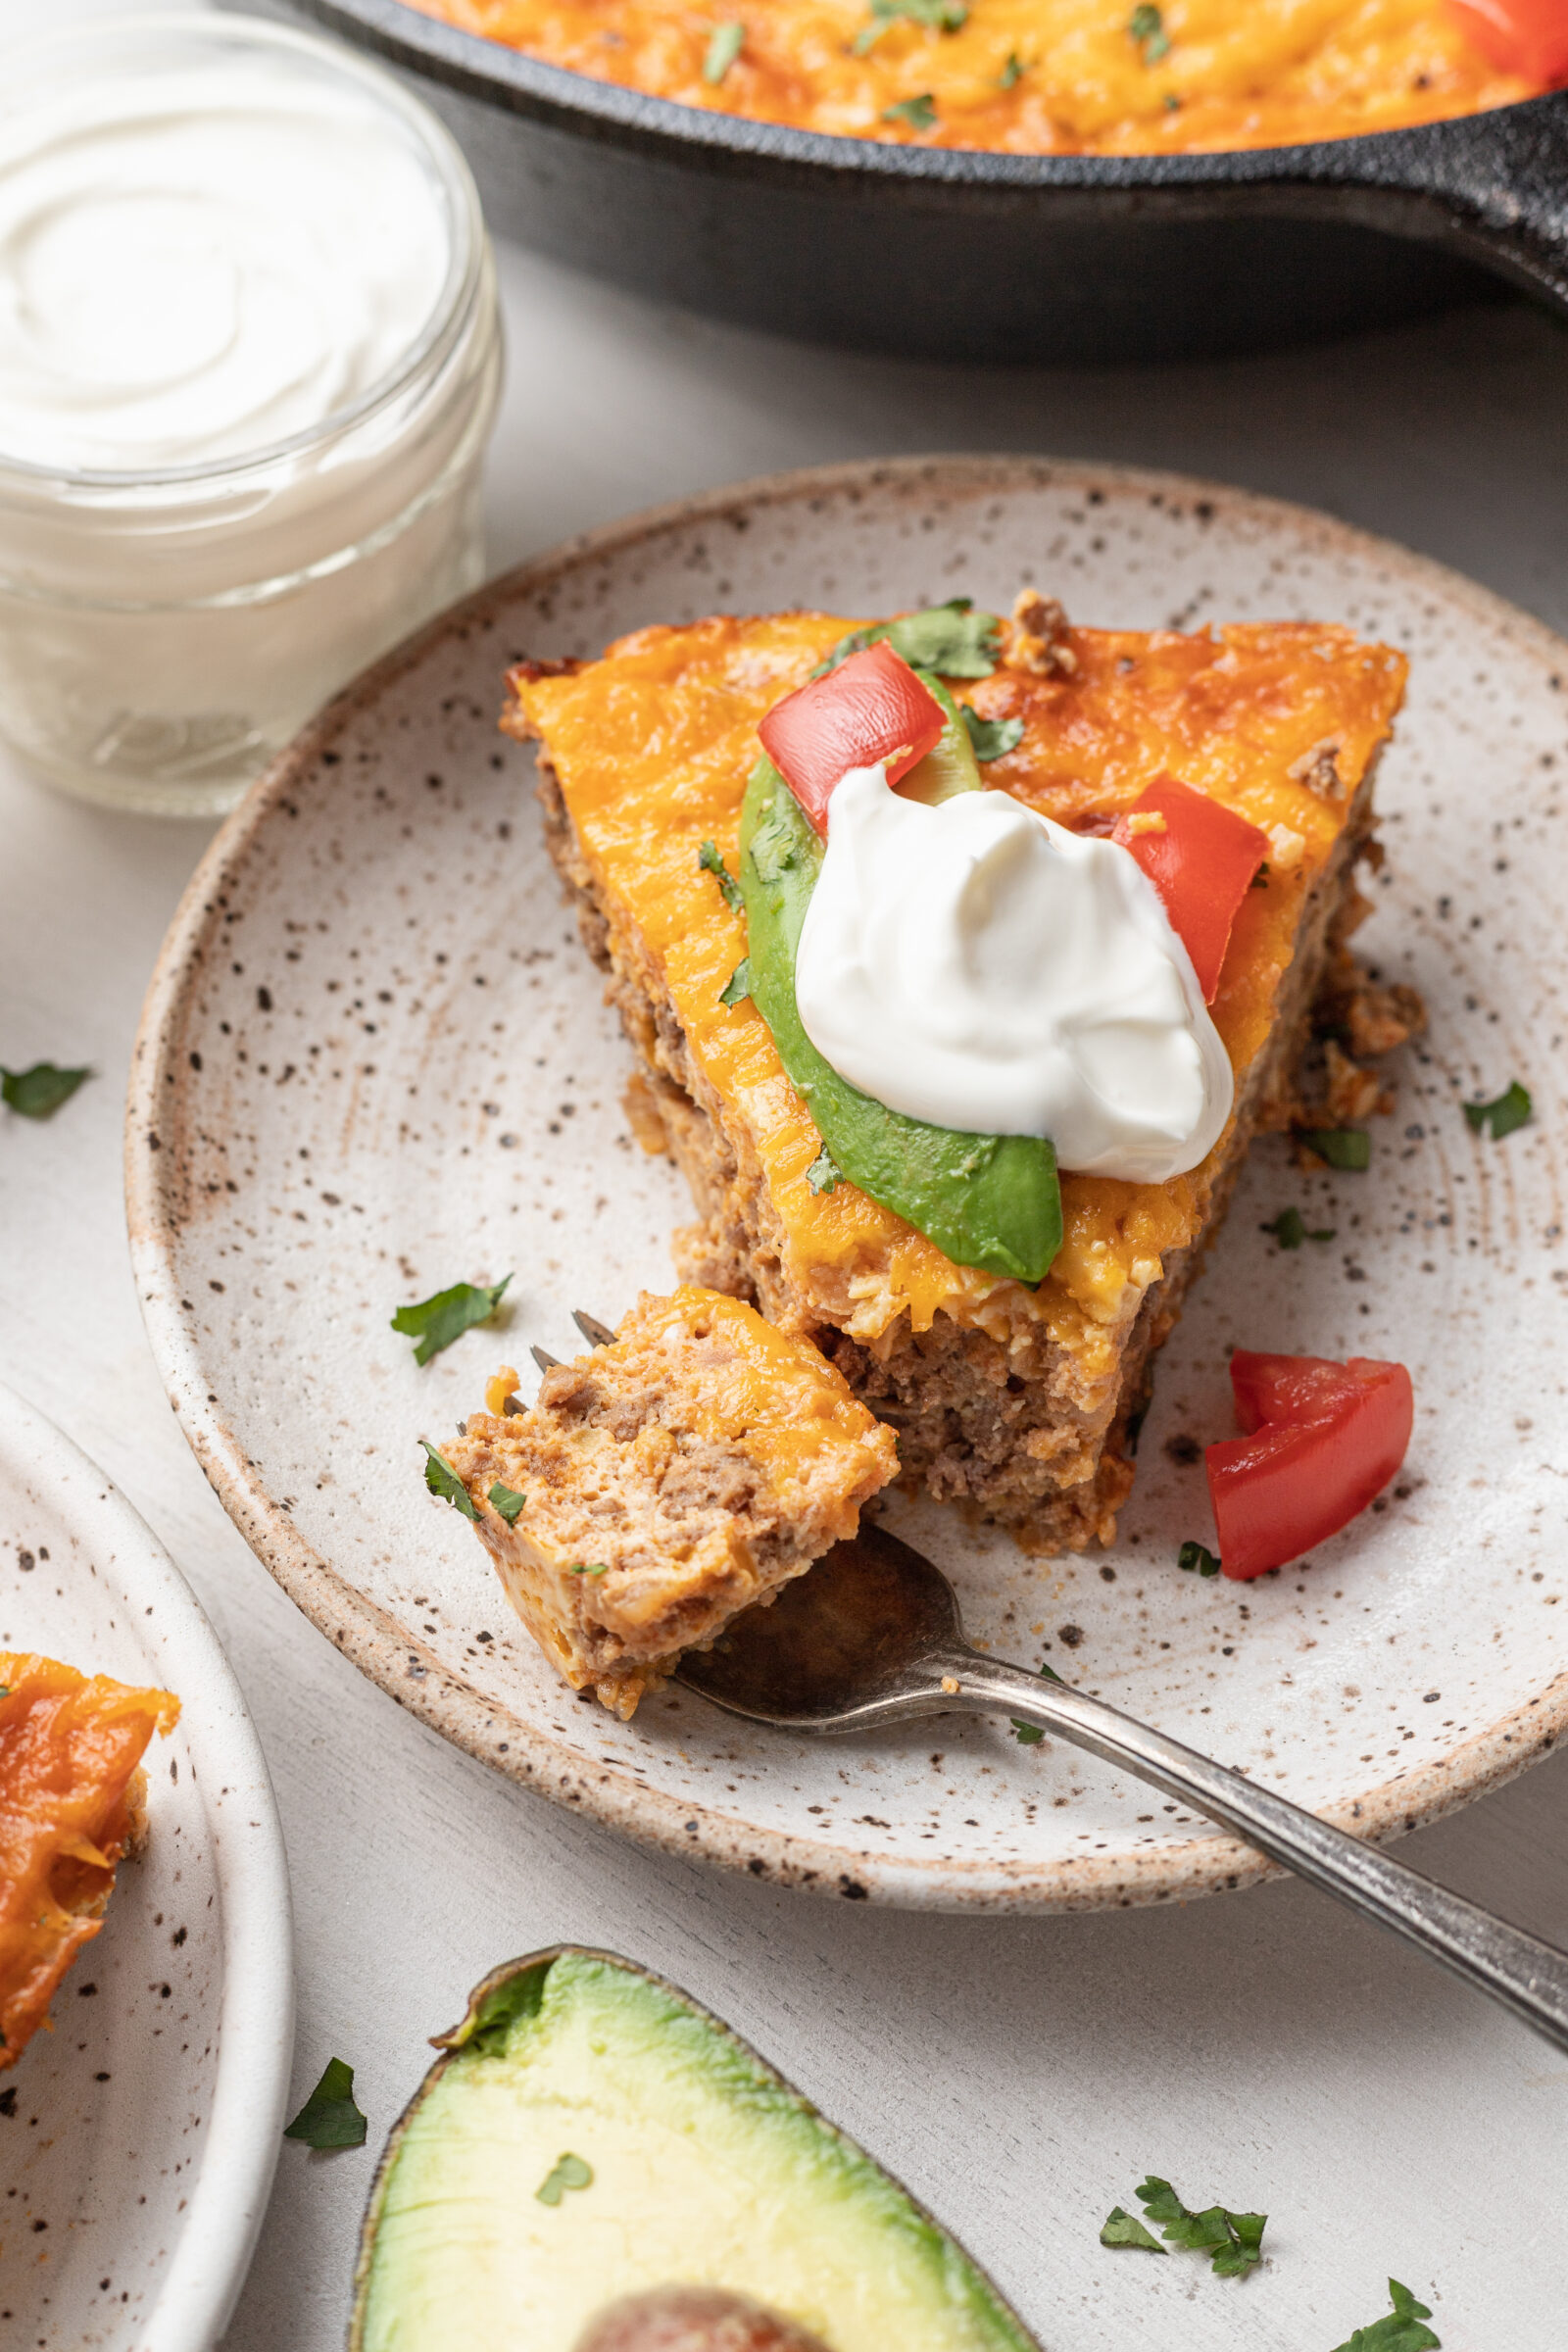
467, 223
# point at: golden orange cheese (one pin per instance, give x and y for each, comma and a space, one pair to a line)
653, 744
1031, 76
69, 1746
760, 1389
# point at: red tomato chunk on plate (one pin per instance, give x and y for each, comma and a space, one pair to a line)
1323, 1439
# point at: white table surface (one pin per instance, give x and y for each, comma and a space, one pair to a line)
1019, 2075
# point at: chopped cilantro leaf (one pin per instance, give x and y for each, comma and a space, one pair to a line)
824, 1173
1346, 1148
1124, 2228
588, 1568
1291, 1229
1194, 1554
329, 2119
570, 2172
507, 1501
437, 1322
443, 1480
1147, 27
1234, 2242
38, 1093
920, 113
1013, 72
942, 16
1030, 1735
1246, 2250
722, 50
991, 737
708, 859
774, 844
738, 987
1402, 2329
952, 639
1503, 1114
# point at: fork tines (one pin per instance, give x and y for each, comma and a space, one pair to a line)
596, 1334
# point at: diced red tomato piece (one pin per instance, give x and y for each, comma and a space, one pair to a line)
1323, 1439
873, 708
1518, 36
1200, 857
1296, 1388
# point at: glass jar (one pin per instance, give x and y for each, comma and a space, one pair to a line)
165, 630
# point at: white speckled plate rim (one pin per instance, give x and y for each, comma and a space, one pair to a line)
367, 1634
255, 2029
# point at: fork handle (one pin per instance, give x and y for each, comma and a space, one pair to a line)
1525, 1974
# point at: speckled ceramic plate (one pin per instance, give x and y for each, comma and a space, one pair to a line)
137, 2140
374, 1062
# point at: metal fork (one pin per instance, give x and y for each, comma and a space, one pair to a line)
872, 1636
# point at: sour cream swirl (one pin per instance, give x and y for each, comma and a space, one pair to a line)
200, 262
977, 966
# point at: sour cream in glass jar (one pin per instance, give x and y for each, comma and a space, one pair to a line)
249, 359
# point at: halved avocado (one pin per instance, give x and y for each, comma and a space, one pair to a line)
703, 2169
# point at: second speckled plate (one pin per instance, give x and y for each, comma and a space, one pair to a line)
374, 1060
137, 2138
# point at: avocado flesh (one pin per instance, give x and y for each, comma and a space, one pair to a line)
986, 1200
708, 2170
950, 767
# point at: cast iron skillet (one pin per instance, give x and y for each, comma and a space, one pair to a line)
952, 254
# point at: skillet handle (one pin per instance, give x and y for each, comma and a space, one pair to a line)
1525, 1974
1491, 187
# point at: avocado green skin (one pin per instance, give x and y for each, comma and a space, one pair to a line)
634, 2041
986, 1200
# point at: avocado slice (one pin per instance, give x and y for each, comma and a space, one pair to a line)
986, 1200
950, 765
703, 2169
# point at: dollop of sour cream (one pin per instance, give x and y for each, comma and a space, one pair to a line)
977, 966
200, 262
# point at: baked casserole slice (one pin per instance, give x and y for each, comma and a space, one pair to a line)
1016, 1400
665, 1482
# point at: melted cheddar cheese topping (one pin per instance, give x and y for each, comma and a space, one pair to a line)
70, 1744
1031, 76
744, 1385
652, 746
